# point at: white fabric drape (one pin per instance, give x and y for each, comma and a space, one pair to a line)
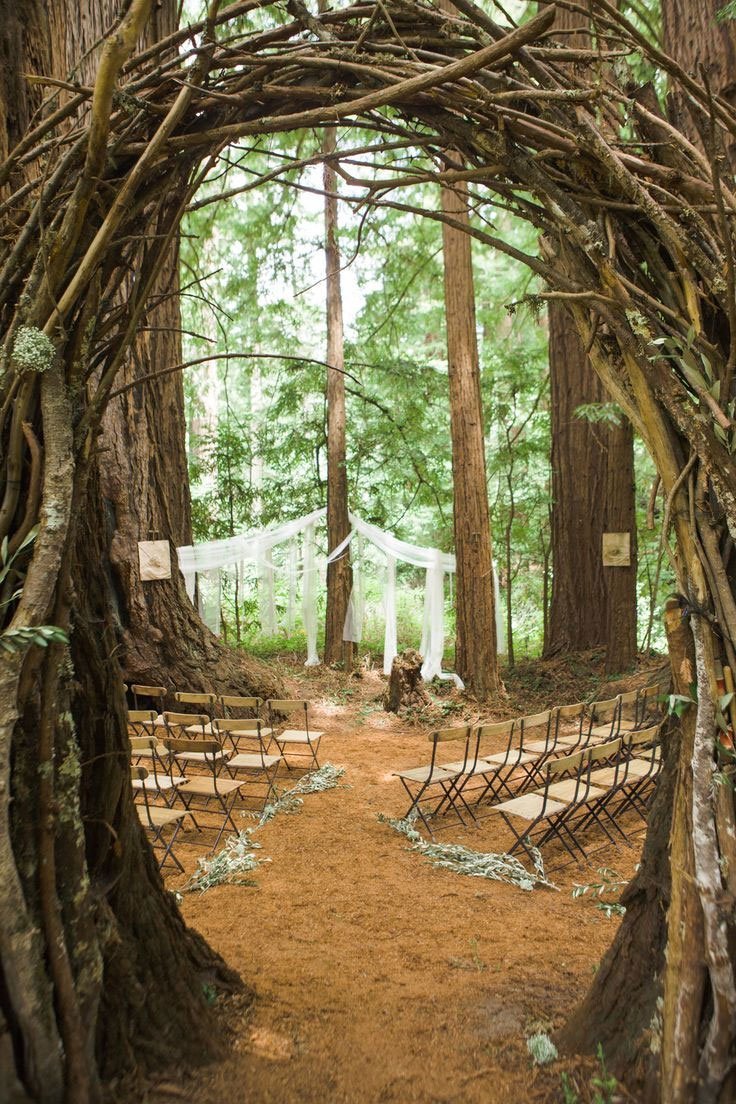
206, 560
390, 638
293, 562
309, 596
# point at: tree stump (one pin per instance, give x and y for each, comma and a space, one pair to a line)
405, 684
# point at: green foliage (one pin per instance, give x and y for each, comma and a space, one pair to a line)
473, 864
609, 883
253, 271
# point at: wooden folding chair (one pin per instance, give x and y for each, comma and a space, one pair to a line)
651, 703
603, 720
155, 819
570, 727
207, 788
255, 764
159, 778
294, 737
233, 705
155, 695
142, 723
637, 777
500, 766
433, 784
551, 808
205, 702
198, 727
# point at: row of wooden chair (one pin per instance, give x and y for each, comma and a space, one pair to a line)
504, 760
193, 762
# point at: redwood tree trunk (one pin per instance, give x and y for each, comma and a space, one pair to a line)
592, 489
339, 572
143, 463
98, 974
476, 658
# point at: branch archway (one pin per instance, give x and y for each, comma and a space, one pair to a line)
638, 242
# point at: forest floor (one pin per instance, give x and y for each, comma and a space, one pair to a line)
378, 977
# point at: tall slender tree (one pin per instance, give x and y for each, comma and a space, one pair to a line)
476, 652
339, 572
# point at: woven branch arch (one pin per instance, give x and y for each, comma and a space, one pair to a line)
637, 227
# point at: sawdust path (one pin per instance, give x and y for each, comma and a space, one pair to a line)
378, 977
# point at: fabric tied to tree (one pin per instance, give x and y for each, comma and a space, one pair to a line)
309, 596
293, 563
354, 617
390, 637
266, 601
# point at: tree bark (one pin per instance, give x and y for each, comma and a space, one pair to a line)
142, 455
592, 488
339, 572
476, 654
99, 977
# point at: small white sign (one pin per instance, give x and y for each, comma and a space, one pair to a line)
155, 559
616, 549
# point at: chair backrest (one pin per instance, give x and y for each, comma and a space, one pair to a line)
144, 691
235, 701
566, 763
493, 733
248, 729
644, 735
605, 709
629, 702
571, 712
287, 705
142, 743
139, 690
141, 721
441, 735
601, 752
187, 697
536, 720
138, 774
207, 747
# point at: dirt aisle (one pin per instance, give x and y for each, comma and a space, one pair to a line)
380, 978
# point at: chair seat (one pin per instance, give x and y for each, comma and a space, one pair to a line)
207, 729
529, 806
201, 756
203, 786
599, 732
424, 774
569, 790
538, 747
252, 760
158, 816
637, 768
470, 769
503, 758
159, 752
296, 736
161, 782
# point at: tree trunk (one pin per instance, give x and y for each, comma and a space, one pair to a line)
339, 572
99, 976
592, 489
577, 617
476, 658
620, 517
621, 1011
143, 464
